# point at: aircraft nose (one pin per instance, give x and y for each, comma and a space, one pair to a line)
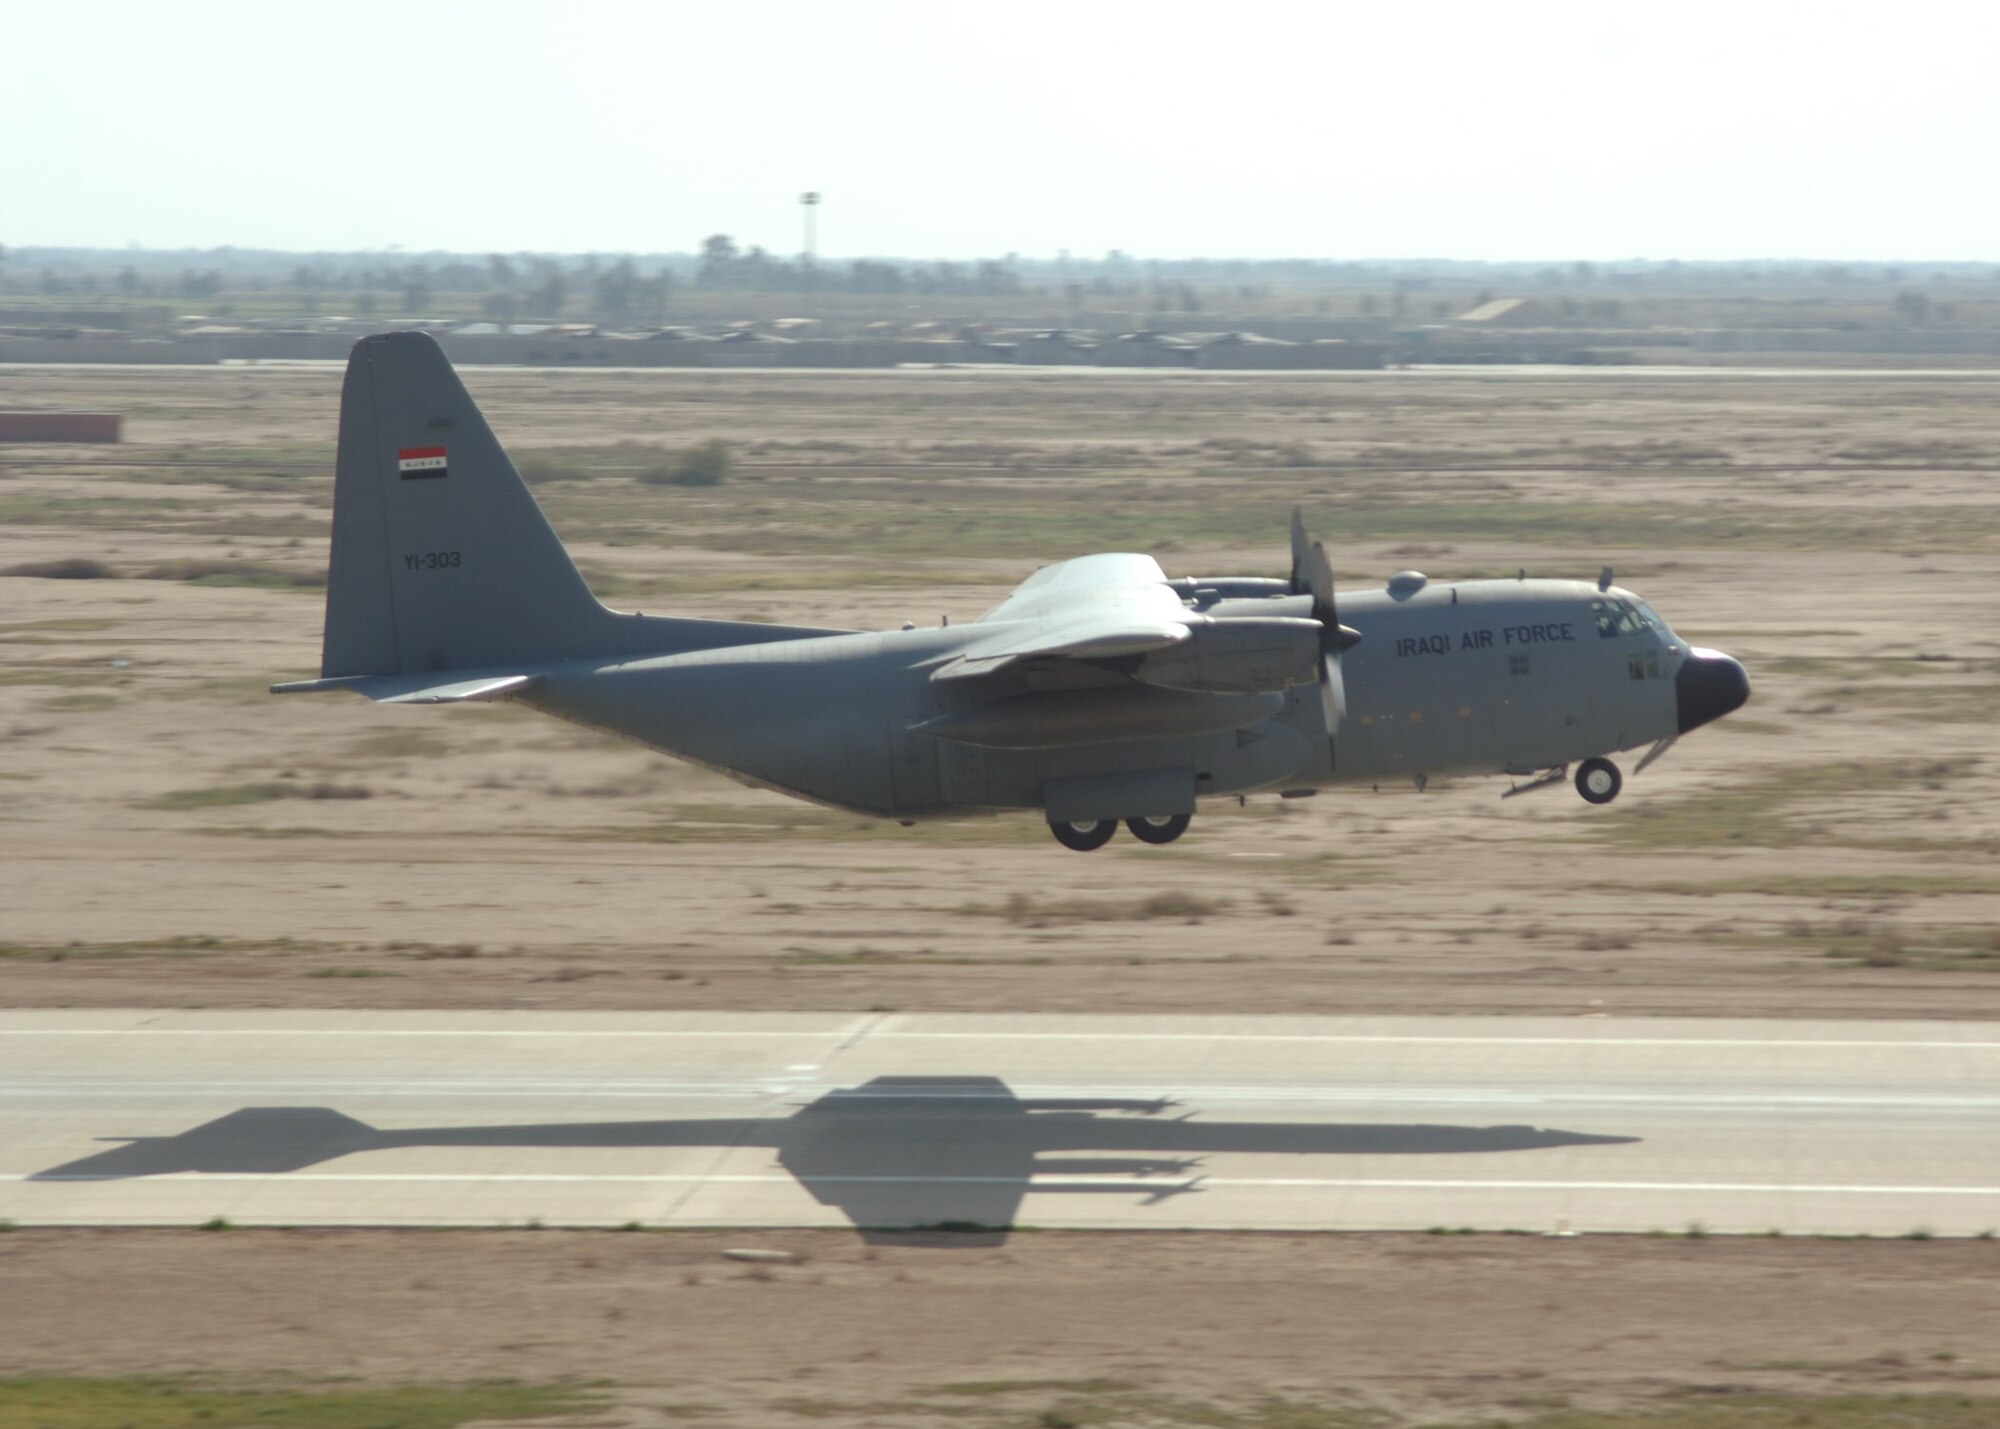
1709, 685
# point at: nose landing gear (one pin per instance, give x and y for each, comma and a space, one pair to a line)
1598, 780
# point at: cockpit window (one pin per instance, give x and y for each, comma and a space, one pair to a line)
1622, 617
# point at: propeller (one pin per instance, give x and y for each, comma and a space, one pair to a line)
1312, 574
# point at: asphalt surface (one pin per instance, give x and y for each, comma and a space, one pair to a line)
886, 1120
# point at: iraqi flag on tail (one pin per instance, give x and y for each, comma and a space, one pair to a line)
417, 463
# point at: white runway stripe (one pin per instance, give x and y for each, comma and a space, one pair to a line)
1606, 1041
1205, 1100
1109, 1183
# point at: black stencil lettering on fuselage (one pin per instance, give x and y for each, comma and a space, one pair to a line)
1514, 635
1541, 634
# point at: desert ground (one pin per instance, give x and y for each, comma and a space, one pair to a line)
170, 835
1341, 1332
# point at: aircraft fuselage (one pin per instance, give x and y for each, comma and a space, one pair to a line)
1481, 677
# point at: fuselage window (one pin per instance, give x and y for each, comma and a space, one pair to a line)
1517, 664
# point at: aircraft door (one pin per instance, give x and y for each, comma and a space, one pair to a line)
966, 780
913, 768
1547, 709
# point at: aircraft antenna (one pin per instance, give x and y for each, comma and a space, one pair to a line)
809, 203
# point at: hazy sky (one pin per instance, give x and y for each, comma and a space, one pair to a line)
1503, 129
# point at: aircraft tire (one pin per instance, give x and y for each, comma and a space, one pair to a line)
1083, 837
1598, 780
1158, 829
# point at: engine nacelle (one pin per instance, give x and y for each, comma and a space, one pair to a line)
1198, 588
1237, 656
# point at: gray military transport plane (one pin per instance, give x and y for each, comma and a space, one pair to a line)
1099, 692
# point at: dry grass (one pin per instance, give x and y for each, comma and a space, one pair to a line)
235, 573
194, 1402
73, 568
227, 796
1031, 912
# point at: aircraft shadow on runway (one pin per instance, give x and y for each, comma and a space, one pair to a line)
954, 1154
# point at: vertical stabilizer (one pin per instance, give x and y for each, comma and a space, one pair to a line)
441, 558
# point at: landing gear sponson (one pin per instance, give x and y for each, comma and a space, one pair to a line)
1087, 834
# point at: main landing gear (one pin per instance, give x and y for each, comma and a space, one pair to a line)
1086, 835
1598, 780
1158, 828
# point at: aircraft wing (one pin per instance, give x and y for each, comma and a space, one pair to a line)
1090, 608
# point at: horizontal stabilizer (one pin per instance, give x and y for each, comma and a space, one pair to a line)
417, 689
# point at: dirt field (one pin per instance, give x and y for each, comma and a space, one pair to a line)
174, 836
1449, 1329
170, 835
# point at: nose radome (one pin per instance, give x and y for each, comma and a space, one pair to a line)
1709, 685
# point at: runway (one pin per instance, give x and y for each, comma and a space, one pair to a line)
887, 1120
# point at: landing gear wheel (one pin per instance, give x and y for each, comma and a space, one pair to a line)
1598, 780
1158, 828
1083, 837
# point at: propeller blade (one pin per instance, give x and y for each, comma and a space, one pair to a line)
1319, 578
1336, 637
1333, 691
1312, 573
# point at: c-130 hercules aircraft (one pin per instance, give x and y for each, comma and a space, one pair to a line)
1099, 692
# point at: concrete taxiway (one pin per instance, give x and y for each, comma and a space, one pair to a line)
878, 1120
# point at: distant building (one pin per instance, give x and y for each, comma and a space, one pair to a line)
1064, 346
1147, 349
59, 426
1506, 312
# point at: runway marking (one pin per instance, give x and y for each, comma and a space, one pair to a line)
1135, 1187
277, 1092
848, 1035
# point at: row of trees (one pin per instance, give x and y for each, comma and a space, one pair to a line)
655, 289
723, 266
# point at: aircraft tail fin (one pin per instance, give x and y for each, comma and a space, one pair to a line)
441, 558
446, 582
